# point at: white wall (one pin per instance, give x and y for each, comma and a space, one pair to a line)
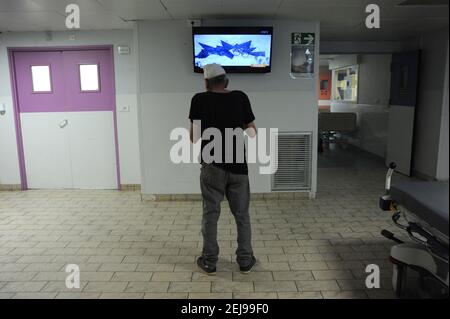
167, 84
374, 79
125, 71
343, 60
431, 108
373, 100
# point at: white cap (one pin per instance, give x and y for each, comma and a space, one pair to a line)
213, 70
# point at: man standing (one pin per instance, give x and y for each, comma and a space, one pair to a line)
225, 175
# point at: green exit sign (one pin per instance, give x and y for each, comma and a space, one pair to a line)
303, 38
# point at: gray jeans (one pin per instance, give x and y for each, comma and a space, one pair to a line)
216, 183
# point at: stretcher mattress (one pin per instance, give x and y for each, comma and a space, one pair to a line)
426, 200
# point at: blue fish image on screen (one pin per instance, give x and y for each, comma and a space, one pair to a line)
243, 49
209, 50
232, 50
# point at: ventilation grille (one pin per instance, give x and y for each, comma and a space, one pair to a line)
294, 161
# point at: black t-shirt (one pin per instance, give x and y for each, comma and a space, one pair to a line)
221, 111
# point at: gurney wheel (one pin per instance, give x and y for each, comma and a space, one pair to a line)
399, 279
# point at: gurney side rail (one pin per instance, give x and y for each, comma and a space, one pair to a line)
434, 246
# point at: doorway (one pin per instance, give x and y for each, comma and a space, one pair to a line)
64, 103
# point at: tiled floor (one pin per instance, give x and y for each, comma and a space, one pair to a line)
129, 249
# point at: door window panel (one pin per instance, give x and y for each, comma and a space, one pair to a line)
89, 79
40, 75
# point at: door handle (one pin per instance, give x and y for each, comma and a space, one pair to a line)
63, 124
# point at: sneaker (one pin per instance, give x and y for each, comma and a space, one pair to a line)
211, 271
247, 269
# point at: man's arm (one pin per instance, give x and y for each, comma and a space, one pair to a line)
251, 129
194, 116
195, 132
248, 117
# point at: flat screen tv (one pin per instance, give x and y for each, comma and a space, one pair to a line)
237, 49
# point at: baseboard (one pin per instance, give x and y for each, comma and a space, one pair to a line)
10, 187
17, 187
171, 197
198, 197
130, 187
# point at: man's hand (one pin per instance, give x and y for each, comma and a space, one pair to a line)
251, 129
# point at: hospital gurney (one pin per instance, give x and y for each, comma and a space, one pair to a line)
421, 209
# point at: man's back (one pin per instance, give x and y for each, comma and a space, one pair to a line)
227, 110
220, 111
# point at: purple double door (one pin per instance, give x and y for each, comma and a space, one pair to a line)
65, 115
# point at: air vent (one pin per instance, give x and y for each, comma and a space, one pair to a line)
294, 161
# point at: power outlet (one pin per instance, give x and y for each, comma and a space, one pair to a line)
125, 108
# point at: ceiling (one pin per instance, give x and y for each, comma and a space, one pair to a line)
340, 19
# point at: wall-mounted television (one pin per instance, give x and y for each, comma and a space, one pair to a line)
237, 49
